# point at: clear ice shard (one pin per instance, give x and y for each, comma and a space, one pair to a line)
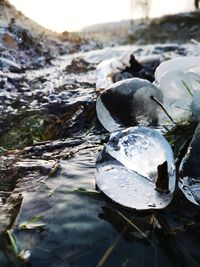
127, 103
127, 169
178, 79
189, 170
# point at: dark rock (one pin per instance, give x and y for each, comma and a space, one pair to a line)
169, 28
75, 120
121, 76
79, 65
144, 70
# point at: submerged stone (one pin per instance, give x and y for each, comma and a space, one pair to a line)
136, 169
79, 65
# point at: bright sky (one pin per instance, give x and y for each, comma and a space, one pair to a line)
61, 15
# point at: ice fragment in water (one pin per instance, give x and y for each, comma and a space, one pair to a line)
127, 103
128, 167
189, 181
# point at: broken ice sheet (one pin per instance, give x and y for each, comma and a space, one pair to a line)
127, 168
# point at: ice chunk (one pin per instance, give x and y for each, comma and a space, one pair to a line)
195, 105
191, 189
108, 67
185, 64
178, 79
127, 103
189, 181
127, 169
177, 88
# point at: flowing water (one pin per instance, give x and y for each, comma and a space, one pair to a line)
60, 220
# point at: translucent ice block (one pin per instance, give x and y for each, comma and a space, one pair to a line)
127, 169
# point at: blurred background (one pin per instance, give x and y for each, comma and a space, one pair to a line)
62, 15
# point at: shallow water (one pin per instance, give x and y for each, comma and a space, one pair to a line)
84, 228
81, 228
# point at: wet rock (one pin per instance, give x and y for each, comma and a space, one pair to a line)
143, 68
19, 130
121, 76
77, 119
51, 149
57, 117
179, 49
30, 165
8, 65
9, 41
24, 47
79, 65
9, 175
35, 105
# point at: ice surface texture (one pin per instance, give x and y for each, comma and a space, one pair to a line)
127, 168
